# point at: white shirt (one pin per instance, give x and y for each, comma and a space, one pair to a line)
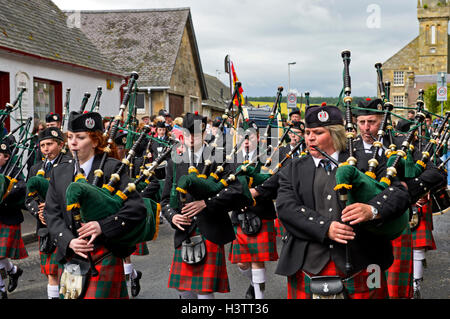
250, 154
335, 155
87, 166
198, 154
368, 146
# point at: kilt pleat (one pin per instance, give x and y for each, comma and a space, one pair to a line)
258, 248
141, 249
49, 264
209, 276
356, 286
110, 283
11, 243
400, 274
423, 235
281, 231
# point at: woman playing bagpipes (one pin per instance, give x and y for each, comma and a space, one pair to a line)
11, 243
51, 142
94, 240
197, 219
323, 236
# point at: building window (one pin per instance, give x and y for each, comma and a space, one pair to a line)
399, 100
433, 34
44, 98
399, 78
140, 103
194, 104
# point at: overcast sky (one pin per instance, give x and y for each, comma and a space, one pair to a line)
263, 36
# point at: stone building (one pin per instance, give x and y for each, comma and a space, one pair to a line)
160, 45
43, 50
417, 64
219, 96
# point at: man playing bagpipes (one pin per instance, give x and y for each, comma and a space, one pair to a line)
255, 241
98, 242
324, 238
421, 187
12, 193
201, 221
369, 121
51, 141
132, 275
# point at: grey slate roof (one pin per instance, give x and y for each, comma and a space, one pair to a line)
39, 28
216, 99
146, 41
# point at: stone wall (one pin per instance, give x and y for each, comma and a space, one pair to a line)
185, 78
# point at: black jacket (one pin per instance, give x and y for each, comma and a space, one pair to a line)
264, 207
213, 222
60, 223
11, 207
30, 203
296, 211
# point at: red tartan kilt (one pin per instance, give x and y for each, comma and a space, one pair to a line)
356, 286
423, 234
258, 248
110, 283
141, 249
49, 265
400, 274
11, 243
281, 231
209, 276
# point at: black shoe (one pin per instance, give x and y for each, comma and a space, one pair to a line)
250, 294
14, 279
135, 286
4, 295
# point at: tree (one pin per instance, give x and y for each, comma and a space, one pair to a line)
430, 100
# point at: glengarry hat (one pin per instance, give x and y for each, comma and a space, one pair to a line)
323, 115
88, 121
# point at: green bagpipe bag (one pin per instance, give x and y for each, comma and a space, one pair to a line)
38, 185
202, 187
361, 188
4, 185
97, 203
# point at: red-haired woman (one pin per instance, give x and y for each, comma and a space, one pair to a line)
95, 237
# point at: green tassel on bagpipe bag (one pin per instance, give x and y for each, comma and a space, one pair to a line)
362, 188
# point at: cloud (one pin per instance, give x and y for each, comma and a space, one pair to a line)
263, 36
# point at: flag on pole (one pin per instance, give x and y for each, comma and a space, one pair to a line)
241, 90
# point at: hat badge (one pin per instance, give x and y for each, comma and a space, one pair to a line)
124, 140
323, 116
90, 123
3, 147
55, 117
54, 133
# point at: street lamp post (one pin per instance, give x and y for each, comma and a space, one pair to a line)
289, 75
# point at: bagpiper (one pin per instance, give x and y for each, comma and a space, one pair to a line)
51, 141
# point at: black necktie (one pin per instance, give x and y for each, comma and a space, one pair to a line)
48, 167
246, 158
326, 164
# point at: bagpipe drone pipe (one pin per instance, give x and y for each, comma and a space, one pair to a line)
90, 202
355, 186
12, 170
